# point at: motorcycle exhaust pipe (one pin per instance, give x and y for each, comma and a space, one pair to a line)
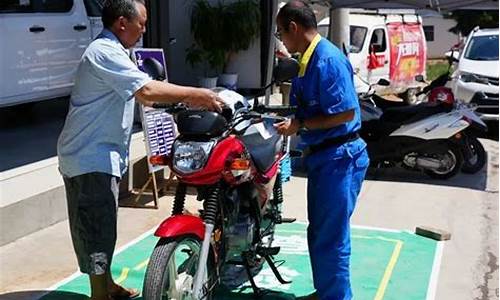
428, 163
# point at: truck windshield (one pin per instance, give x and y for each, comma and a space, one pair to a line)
483, 48
358, 34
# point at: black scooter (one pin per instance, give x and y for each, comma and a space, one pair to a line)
473, 151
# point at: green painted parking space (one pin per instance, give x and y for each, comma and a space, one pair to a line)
385, 265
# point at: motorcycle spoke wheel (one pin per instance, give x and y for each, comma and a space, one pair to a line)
172, 269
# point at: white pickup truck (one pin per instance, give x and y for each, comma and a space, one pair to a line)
42, 42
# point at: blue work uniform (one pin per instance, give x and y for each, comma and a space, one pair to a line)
335, 173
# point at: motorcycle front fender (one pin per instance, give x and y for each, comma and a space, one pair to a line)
180, 225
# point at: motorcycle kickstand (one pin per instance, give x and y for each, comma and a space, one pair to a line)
258, 293
273, 267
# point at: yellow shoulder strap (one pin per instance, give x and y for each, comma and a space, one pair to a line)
304, 59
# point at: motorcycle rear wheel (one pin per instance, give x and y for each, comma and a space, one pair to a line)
455, 160
476, 162
170, 277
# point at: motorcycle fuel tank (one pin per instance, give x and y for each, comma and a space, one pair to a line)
200, 123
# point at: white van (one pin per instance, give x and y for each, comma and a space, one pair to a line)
42, 42
389, 46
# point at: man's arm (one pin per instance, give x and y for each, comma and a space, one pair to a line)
290, 127
157, 91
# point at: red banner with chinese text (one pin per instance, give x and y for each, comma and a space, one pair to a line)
408, 51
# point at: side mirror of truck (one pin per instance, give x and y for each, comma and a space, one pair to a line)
154, 69
419, 78
383, 82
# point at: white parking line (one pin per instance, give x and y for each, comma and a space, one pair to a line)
431, 291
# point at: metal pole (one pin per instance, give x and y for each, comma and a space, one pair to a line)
339, 32
272, 45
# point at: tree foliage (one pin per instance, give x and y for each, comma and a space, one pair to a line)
220, 30
469, 19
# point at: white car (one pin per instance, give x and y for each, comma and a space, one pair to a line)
475, 79
41, 44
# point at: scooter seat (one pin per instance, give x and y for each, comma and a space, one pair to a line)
411, 114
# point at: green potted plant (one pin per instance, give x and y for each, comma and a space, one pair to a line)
242, 22
206, 51
220, 31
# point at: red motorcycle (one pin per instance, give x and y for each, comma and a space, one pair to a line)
232, 159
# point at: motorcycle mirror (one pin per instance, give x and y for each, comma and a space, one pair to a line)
286, 69
420, 78
383, 82
452, 56
154, 69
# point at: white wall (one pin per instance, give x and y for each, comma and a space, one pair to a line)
246, 64
443, 39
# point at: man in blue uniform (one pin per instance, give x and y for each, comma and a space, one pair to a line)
328, 120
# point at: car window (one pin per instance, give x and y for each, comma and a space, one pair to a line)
16, 6
357, 37
94, 7
53, 6
482, 48
377, 42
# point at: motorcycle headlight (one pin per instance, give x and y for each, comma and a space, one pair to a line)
189, 157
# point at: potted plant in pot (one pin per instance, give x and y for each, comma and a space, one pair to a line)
207, 50
220, 31
241, 26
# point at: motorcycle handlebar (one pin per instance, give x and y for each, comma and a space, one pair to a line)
281, 110
170, 108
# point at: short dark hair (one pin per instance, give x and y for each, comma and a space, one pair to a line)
113, 9
299, 12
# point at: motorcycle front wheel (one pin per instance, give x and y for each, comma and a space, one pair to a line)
474, 157
172, 268
452, 163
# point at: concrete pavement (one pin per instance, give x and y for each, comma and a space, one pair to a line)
466, 206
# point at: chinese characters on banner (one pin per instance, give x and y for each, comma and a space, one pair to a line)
408, 51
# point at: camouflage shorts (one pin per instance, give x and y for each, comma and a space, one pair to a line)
92, 210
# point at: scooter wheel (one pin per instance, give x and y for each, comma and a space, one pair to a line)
172, 268
454, 162
477, 160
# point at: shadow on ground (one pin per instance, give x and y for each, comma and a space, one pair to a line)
33, 295
220, 295
477, 181
30, 132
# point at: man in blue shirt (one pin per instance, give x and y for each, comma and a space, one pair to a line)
93, 146
327, 119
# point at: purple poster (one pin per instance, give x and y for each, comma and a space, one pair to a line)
158, 126
140, 54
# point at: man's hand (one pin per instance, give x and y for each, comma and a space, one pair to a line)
204, 98
288, 127
164, 92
